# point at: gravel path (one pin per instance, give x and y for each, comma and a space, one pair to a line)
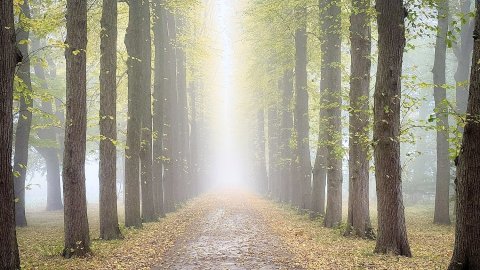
231, 236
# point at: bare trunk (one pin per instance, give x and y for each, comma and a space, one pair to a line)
303, 166
273, 152
286, 126
22, 134
442, 197
108, 123
331, 89
466, 254
132, 153
392, 232
160, 32
77, 238
358, 221
9, 258
49, 154
148, 207
261, 170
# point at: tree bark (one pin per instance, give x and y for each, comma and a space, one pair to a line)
466, 254
442, 197
331, 88
9, 258
132, 153
49, 154
183, 114
303, 163
77, 238
358, 221
109, 228
392, 233
463, 53
286, 127
22, 134
171, 124
148, 207
160, 32
273, 151
261, 170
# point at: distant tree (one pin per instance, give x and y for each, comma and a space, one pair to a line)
330, 20
466, 254
463, 52
392, 232
148, 206
132, 153
261, 168
9, 257
24, 123
286, 126
184, 130
160, 33
171, 120
109, 228
49, 134
302, 163
358, 221
77, 238
273, 150
442, 197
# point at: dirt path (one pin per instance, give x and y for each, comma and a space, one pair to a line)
231, 236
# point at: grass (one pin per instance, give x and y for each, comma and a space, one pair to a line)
315, 247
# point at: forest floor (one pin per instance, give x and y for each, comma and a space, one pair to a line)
234, 231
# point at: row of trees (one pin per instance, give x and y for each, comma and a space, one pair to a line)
283, 143
161, 152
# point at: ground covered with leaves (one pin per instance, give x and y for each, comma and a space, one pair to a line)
234, 231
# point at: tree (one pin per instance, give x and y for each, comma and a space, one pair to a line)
160, 33
442, 197
463, 53
132, 153
148, 207
286, 126
77, 238
24, 124
330, 85
358, 221
392, 233
302, 127
9, 257
466, 254
261, 168
108, 125
273, 151
49, 134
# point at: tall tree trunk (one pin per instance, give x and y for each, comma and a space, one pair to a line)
358, 221
22, 134
183, 112
286, 127
392, 232
49, 134
194, 166
108, 123
331, 88
442, 197
160, 33
171, 124
132, 153
261, 170
77, 238
273, 151
466, 254
463, 53
148, 207
9, 258
302, 127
